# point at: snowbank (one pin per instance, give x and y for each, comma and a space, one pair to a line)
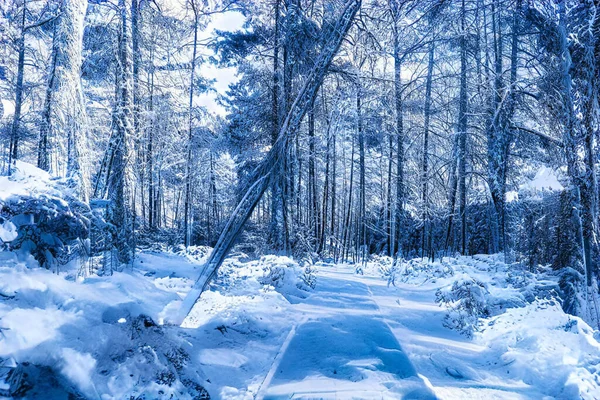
517, 316
101, 337
546, 348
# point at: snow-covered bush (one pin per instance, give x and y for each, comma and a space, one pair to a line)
308, 277
139, 360
386, 266
419, 271
286, 276
467, 302
571, 284
46, 228
193, 253
40, 216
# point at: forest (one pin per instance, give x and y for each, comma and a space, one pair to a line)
316, 199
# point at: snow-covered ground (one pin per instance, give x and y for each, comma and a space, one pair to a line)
527, 348
96, 337
463, 328
260, 334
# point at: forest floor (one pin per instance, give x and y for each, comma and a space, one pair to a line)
261, 332
362, 339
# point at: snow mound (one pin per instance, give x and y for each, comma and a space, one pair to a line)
544, 347
279, 273
516, 318
40, 216
286, 276
28, 181
197, 254
89, 338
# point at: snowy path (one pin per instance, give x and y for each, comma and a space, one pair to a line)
364, 340
344, 349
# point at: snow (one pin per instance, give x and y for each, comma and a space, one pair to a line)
25, 329
528, 348
78, 368
345, 348
26, 180
544, 179
544, 347
272, 328
8, 231
84, 330
8, 109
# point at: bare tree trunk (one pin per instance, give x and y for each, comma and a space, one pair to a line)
119, 212
571, 149
399, 206
425, 165
187, 204
332, 229
495, 134
152, 209
325, 202
277, 228
390, 199
13, 150
136, 60
346, 226
312, 178
462, 132
361, 239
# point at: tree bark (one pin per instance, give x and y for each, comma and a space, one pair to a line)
187, 204
13, 151
64, 110
119, 213
399, 204
462, 131
425, 165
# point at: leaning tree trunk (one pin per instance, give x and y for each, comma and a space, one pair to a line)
270, 167
64, 111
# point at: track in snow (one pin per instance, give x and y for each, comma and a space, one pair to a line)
344, 350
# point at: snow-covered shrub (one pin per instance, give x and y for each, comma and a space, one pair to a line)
47, 227
39, 215
419, 271
466, 301
387, 267
308, 276
140, 360
286, 276
571, 284
193, 253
